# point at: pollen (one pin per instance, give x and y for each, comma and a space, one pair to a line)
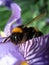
24, 63
17, 30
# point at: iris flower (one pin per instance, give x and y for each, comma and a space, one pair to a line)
32, 52
9, 53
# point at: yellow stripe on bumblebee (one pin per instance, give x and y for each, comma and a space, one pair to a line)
17, 30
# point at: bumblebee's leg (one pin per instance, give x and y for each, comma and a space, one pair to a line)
24, 39
6, 39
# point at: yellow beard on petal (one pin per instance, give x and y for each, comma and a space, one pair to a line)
24, 63
2, 34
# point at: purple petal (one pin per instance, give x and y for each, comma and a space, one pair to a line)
8, 3
36, 51
5, 3
9, 53
15, 18
16, 24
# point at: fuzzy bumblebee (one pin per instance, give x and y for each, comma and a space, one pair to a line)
22, 33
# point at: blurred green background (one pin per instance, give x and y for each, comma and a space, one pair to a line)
30, 9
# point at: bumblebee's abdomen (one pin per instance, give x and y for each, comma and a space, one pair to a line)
32, 33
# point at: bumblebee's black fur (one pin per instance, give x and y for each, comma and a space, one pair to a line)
28, 33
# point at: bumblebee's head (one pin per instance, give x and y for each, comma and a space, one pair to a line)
16, 35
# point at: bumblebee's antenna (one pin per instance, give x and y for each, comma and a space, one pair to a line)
36, 18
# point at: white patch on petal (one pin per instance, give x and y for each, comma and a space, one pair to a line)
30, 57
30, 44
2, 34
8, 60
25, 50
30, 52
7, 29
35, 60
1, 2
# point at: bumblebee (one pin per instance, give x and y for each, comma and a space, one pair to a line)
23, 33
